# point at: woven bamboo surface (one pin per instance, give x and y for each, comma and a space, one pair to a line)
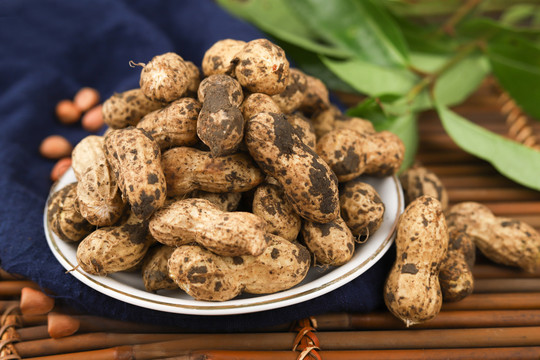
500, 320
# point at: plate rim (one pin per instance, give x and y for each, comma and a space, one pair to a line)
219, 308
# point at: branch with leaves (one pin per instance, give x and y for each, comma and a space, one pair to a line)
407, 56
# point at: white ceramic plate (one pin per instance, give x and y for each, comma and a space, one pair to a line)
128, 287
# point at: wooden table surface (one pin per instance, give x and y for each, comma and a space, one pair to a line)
500, 320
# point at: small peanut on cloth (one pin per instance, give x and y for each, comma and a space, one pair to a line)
173, 125
456, 277
67, 112
60, 168
127, 108
114, 248
412, 291
503, 240
187, 169
331, 243
221, 123
198, 220
63, 215
262, 67
99, 198
55, 147
86, 98
135, 158
210, 277
92, 120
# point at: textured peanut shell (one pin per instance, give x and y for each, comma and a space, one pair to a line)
115, 248
216, 85
455, 276
343, 151
173, 125
202, 274
308, 182
304, 129
418, 181
99, 198
257, 103
207, 276
155, 271
218, 58
384, 153
165, 78
325, 120
281, 266
188, 169
292, 97
135, 158
505, 241
331, 243
194, 77
412, 291
221, 124
127, 108
354, 123
361, 207
198, 220
270, 204
227, 201
63, 215
262, 67
316, 97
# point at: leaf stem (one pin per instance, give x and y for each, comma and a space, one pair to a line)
431, 78
449, 26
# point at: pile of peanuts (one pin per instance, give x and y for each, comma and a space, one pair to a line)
233, 178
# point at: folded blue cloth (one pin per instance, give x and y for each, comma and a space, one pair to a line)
49, 50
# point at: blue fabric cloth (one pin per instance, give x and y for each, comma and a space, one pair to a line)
50, 49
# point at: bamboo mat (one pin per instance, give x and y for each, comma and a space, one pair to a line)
500, 320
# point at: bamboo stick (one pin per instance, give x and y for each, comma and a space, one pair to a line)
514, 208
489, 271
444, 157
339, 340
487, 194
463, 169
506, 285
501, 301
33, 332
475, 181
13, 287
493, 353
444, 320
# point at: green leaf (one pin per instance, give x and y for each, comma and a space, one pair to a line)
516, 65
406, 127
458, 82
311, 64
515, 161
276, 18
371, 79
363, 27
